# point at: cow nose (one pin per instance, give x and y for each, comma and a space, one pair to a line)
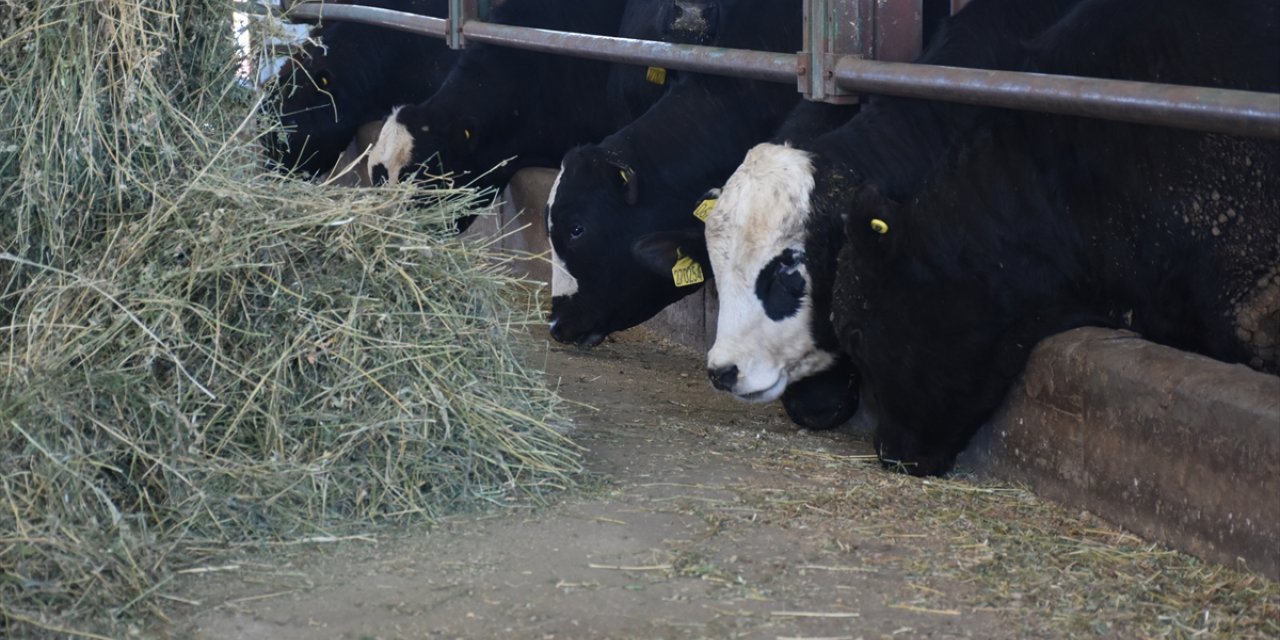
724, 378
556, 332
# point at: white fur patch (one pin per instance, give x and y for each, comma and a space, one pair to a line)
394, 148
563, 284
760, 213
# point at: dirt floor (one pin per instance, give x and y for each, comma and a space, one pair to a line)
705, 518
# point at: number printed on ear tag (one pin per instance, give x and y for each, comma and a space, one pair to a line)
687, 272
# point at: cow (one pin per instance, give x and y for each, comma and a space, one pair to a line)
503, 109
1041, 224
620, 214
1032, 224
773, 276
347, 75
633, 89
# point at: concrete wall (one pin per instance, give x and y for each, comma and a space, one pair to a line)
1170, 445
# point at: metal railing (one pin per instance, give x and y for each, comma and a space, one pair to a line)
1242, 113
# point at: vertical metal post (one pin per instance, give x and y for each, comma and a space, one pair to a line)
461, 12
870, 29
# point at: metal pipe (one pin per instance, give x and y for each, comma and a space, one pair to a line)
756, 65
1229, 111
411, 22
1219, 110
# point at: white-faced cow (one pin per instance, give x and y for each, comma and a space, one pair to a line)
774, 233
347, 75
1033, 224
625, 233
502, 109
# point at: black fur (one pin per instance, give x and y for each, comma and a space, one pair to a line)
892, 142
503, 109
780, 286
356, 75
1042, 223
824, 400
688, 142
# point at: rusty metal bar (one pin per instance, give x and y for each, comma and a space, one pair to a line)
871, 29
460, 13
757, 65
411, 22
1219, 110
1228, 111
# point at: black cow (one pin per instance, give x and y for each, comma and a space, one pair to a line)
1041, 224
773, 272
633, 89
620, 215
351, 74
503, 109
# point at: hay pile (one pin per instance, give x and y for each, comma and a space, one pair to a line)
195, 355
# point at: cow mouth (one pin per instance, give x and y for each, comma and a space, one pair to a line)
767, 394
589, 340
582, 340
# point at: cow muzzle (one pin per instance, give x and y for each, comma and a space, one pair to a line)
748, 384
583, 339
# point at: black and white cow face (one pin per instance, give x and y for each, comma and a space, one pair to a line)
756, 239
416, 140
611, 268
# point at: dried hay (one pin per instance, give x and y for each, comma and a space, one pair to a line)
195, 354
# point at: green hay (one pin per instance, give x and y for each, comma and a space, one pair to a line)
195, 355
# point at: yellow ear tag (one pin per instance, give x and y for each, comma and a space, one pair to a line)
625, 178
687, 273
704, 209
467, 133
879, 226
324, 81
656, 75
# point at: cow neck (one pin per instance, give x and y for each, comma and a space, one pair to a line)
696, 136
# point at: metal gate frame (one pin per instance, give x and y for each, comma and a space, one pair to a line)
865, 59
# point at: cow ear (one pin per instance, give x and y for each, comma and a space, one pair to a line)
660, 251
627, 179
873, 216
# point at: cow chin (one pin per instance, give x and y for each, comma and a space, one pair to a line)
767, 383
768, 394
568, 327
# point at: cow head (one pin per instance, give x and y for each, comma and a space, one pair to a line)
612, 266
418, 140
319, 107
772, 275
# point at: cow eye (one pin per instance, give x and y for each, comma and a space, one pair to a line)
576, 232
792, 282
